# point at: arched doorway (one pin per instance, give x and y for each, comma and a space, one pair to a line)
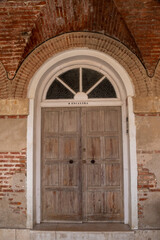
82, 167
110, 200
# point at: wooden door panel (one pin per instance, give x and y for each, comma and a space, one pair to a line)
70, 174
69, 121
69, 148
104, 206
112, 119
113, 202
93, 147
95, 120
95, 175
101, 136
51, 148
61, 195
96, 203
51, 175
61, 205
112, 175
112, 147
51, 122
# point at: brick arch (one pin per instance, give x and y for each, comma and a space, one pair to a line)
93, 41
4, 83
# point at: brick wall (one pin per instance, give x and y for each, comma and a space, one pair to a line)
148, 155
147, 181
12, 172
13, 188
10, 164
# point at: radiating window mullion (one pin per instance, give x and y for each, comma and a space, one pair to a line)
95, 85
64, 84
80, 80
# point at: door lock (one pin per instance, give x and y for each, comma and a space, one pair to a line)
71, 161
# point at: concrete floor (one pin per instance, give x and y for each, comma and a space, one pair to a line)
27, 234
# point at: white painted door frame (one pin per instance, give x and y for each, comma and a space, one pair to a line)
36, 91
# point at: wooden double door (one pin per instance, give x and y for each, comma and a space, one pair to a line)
81, 164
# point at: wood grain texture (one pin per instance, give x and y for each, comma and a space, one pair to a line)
82, 164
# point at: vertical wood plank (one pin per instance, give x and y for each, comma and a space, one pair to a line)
103, 182
61, 186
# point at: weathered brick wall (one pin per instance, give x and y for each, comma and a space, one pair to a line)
13, 171
13, 189
148, 157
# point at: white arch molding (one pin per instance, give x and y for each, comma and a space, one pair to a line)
125, 91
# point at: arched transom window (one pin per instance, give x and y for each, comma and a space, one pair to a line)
81, 83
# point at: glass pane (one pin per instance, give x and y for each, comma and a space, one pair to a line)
90, 77
58, 91
71, 78
103, 90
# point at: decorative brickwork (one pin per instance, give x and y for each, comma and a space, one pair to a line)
144, 85
97, 42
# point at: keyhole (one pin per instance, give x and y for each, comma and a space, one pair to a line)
92, 161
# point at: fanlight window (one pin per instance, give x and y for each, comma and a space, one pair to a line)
81, 83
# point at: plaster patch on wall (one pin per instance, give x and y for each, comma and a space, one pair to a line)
148, 159
14, 107
148, 132
12, 134
147, 104
154, 166
151, 210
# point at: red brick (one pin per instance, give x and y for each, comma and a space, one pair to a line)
15, 203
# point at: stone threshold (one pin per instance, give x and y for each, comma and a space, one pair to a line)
83, 227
